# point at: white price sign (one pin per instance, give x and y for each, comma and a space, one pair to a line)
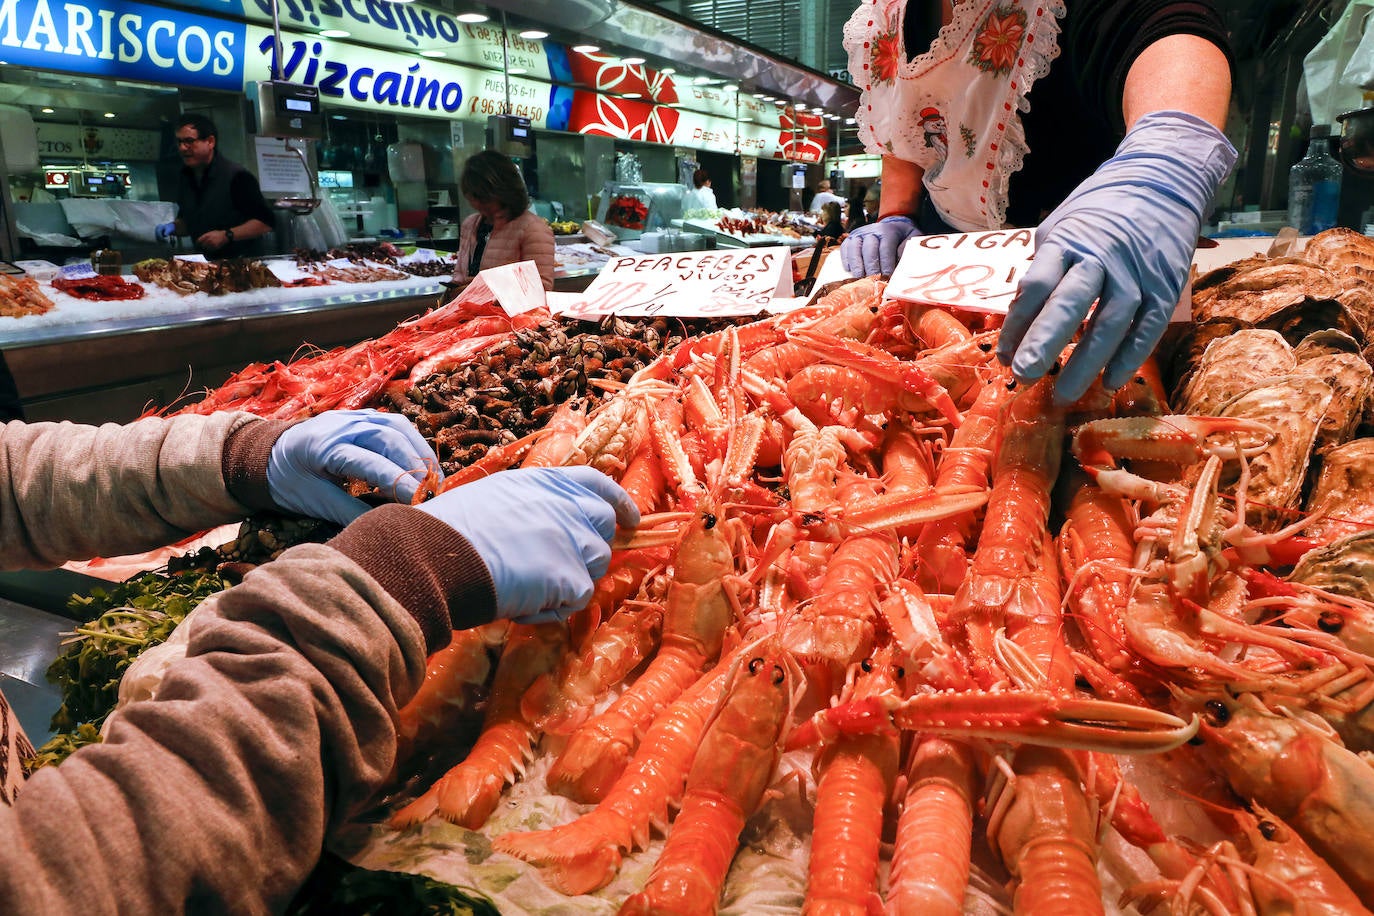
971, 270
740, 281
516, 287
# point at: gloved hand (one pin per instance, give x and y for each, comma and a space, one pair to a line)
165, 231
544, 534
874, 247
308, 460
1126, 238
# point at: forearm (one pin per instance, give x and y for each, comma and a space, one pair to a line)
220, 791
250, 229
1179, 73
901, 188
71, 491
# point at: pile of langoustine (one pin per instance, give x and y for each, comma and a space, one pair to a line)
865, 544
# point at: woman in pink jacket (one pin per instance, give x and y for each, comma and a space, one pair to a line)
504, 229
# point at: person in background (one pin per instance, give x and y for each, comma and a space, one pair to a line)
702, 196
824, 196
219, 203
503, 230
217, 794
832, 227
858, 216
1116, 158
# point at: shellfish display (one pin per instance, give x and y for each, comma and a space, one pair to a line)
898, 632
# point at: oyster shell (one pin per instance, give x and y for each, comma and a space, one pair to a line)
1345, 567
1239, 362
1256, 293
1352, 381
1293, 407
1344, 252
1344, 492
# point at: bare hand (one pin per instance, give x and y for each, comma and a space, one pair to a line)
213, 240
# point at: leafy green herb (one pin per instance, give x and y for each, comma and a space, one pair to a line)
60, 747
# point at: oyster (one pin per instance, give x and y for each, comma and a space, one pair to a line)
1257, 293
1344, 252
1344, 567
1230, 365
1293, 407
1344, 493
1352, 381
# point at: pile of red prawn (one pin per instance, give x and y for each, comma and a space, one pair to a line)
1037, 657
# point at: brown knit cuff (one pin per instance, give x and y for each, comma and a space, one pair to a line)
245, 462
424, 564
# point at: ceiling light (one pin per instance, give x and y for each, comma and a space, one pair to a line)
818, 109
668, 71
850, 121
46, 110
334, 33
759, 95
466, 17
702, 80
729, 87
631, 95
533, 34
769, 98
109, 114
780, 102
586, 49
632, 60
339, 117
433, 53
517, 71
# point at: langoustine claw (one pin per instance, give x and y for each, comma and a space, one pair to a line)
1026, 716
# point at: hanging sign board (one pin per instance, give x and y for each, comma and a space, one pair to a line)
280, 170
691, 284
515, 287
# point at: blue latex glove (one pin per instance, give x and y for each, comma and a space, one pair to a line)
544, 534
309, 459
1126, 238
165, 231
874, 248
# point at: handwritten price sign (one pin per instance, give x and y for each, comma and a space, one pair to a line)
690, 284
972, 270
516, 287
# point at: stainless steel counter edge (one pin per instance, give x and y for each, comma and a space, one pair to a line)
221, 311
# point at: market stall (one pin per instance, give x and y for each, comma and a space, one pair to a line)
1127, 631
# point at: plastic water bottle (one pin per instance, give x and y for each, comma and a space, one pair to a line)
1314, 186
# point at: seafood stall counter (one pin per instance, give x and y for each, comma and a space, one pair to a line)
81, 356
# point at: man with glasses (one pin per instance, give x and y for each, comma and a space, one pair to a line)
219, 203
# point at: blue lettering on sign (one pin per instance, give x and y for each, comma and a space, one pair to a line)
411, 23
304, 65
127, 41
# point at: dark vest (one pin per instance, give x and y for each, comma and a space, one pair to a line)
205, 204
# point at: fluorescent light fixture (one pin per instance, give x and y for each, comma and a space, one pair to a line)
586, 49
339, 117
769, 98
434, 54
517, 71
702, 80
46, 110
334, 33
466, 17
668, 71
534, 34
781, 103
729, 87
109, 114
632, 60
759, 95
850, 121
631, 95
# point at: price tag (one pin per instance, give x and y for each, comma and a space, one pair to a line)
979, 271
515, 287
688, 284
970, 270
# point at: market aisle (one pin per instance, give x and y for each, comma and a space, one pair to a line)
31, 640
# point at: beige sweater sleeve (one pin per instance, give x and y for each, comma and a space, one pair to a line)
217, 795
525, 238
69, 491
